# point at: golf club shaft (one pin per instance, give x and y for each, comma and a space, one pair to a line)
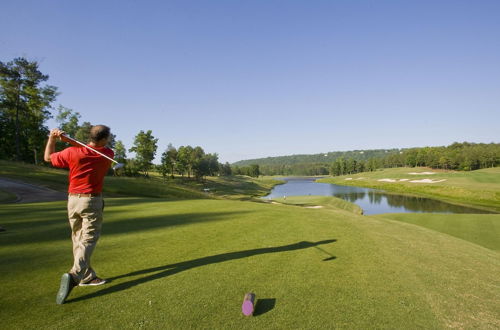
86, 146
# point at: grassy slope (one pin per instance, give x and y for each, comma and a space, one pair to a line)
155, 186
477, 188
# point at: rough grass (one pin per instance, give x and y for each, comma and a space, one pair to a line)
188, 264
479, 188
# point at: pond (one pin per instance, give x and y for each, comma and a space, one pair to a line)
370, 200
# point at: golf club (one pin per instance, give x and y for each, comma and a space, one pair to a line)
332, 257
116, 167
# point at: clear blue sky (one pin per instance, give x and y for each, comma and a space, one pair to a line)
248, 79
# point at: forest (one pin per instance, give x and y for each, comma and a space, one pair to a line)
465, 156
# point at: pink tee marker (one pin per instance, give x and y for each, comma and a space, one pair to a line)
248, 306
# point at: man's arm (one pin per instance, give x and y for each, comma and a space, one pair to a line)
50, 148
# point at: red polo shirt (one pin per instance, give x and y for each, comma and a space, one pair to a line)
86, 168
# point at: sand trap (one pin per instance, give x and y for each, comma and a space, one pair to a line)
314, 207
422, 173
348, 179
387, 180
400, 180
427, 181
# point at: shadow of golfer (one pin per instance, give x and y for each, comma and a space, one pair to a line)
168, 270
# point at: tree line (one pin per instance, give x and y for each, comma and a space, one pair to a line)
465, 156
26, 101
323, 158
186, 161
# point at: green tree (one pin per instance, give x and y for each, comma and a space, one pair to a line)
213, 164
145, 146
184, 160
168, 161
197, 164
226, 169
68, 120
120, 152
236, 170
83, 132
254, 170
24, 105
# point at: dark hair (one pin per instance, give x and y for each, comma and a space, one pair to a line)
99, 132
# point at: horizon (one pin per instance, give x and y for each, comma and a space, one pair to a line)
360, 150
266, 78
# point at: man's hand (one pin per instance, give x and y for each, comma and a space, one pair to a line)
55, 134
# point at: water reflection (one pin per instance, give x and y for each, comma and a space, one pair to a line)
370, 200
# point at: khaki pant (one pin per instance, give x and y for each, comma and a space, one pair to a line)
85, 219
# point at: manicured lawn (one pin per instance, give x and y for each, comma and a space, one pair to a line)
320, 202
188, 264
481, 229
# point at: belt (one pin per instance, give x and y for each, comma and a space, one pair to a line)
85, 195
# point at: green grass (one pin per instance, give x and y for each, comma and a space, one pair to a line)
188, 264
240, 187
185, 260
7, 197
480, 189
481, 229
323, 201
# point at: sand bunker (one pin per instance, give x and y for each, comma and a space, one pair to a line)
387, 180
314, 207
427, 181
422, 173
348, 179
414, 181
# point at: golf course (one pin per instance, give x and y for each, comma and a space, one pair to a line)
178, 257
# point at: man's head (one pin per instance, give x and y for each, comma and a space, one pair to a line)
99, 135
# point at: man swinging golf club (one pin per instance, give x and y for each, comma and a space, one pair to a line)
88, 164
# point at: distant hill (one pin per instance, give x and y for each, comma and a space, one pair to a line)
328, 157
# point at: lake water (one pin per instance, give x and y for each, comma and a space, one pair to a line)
370, 200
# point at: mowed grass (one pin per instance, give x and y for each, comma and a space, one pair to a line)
481, 229
188, 263
320, 202
479, 188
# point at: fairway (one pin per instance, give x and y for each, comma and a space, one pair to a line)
481, 229
188, 264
